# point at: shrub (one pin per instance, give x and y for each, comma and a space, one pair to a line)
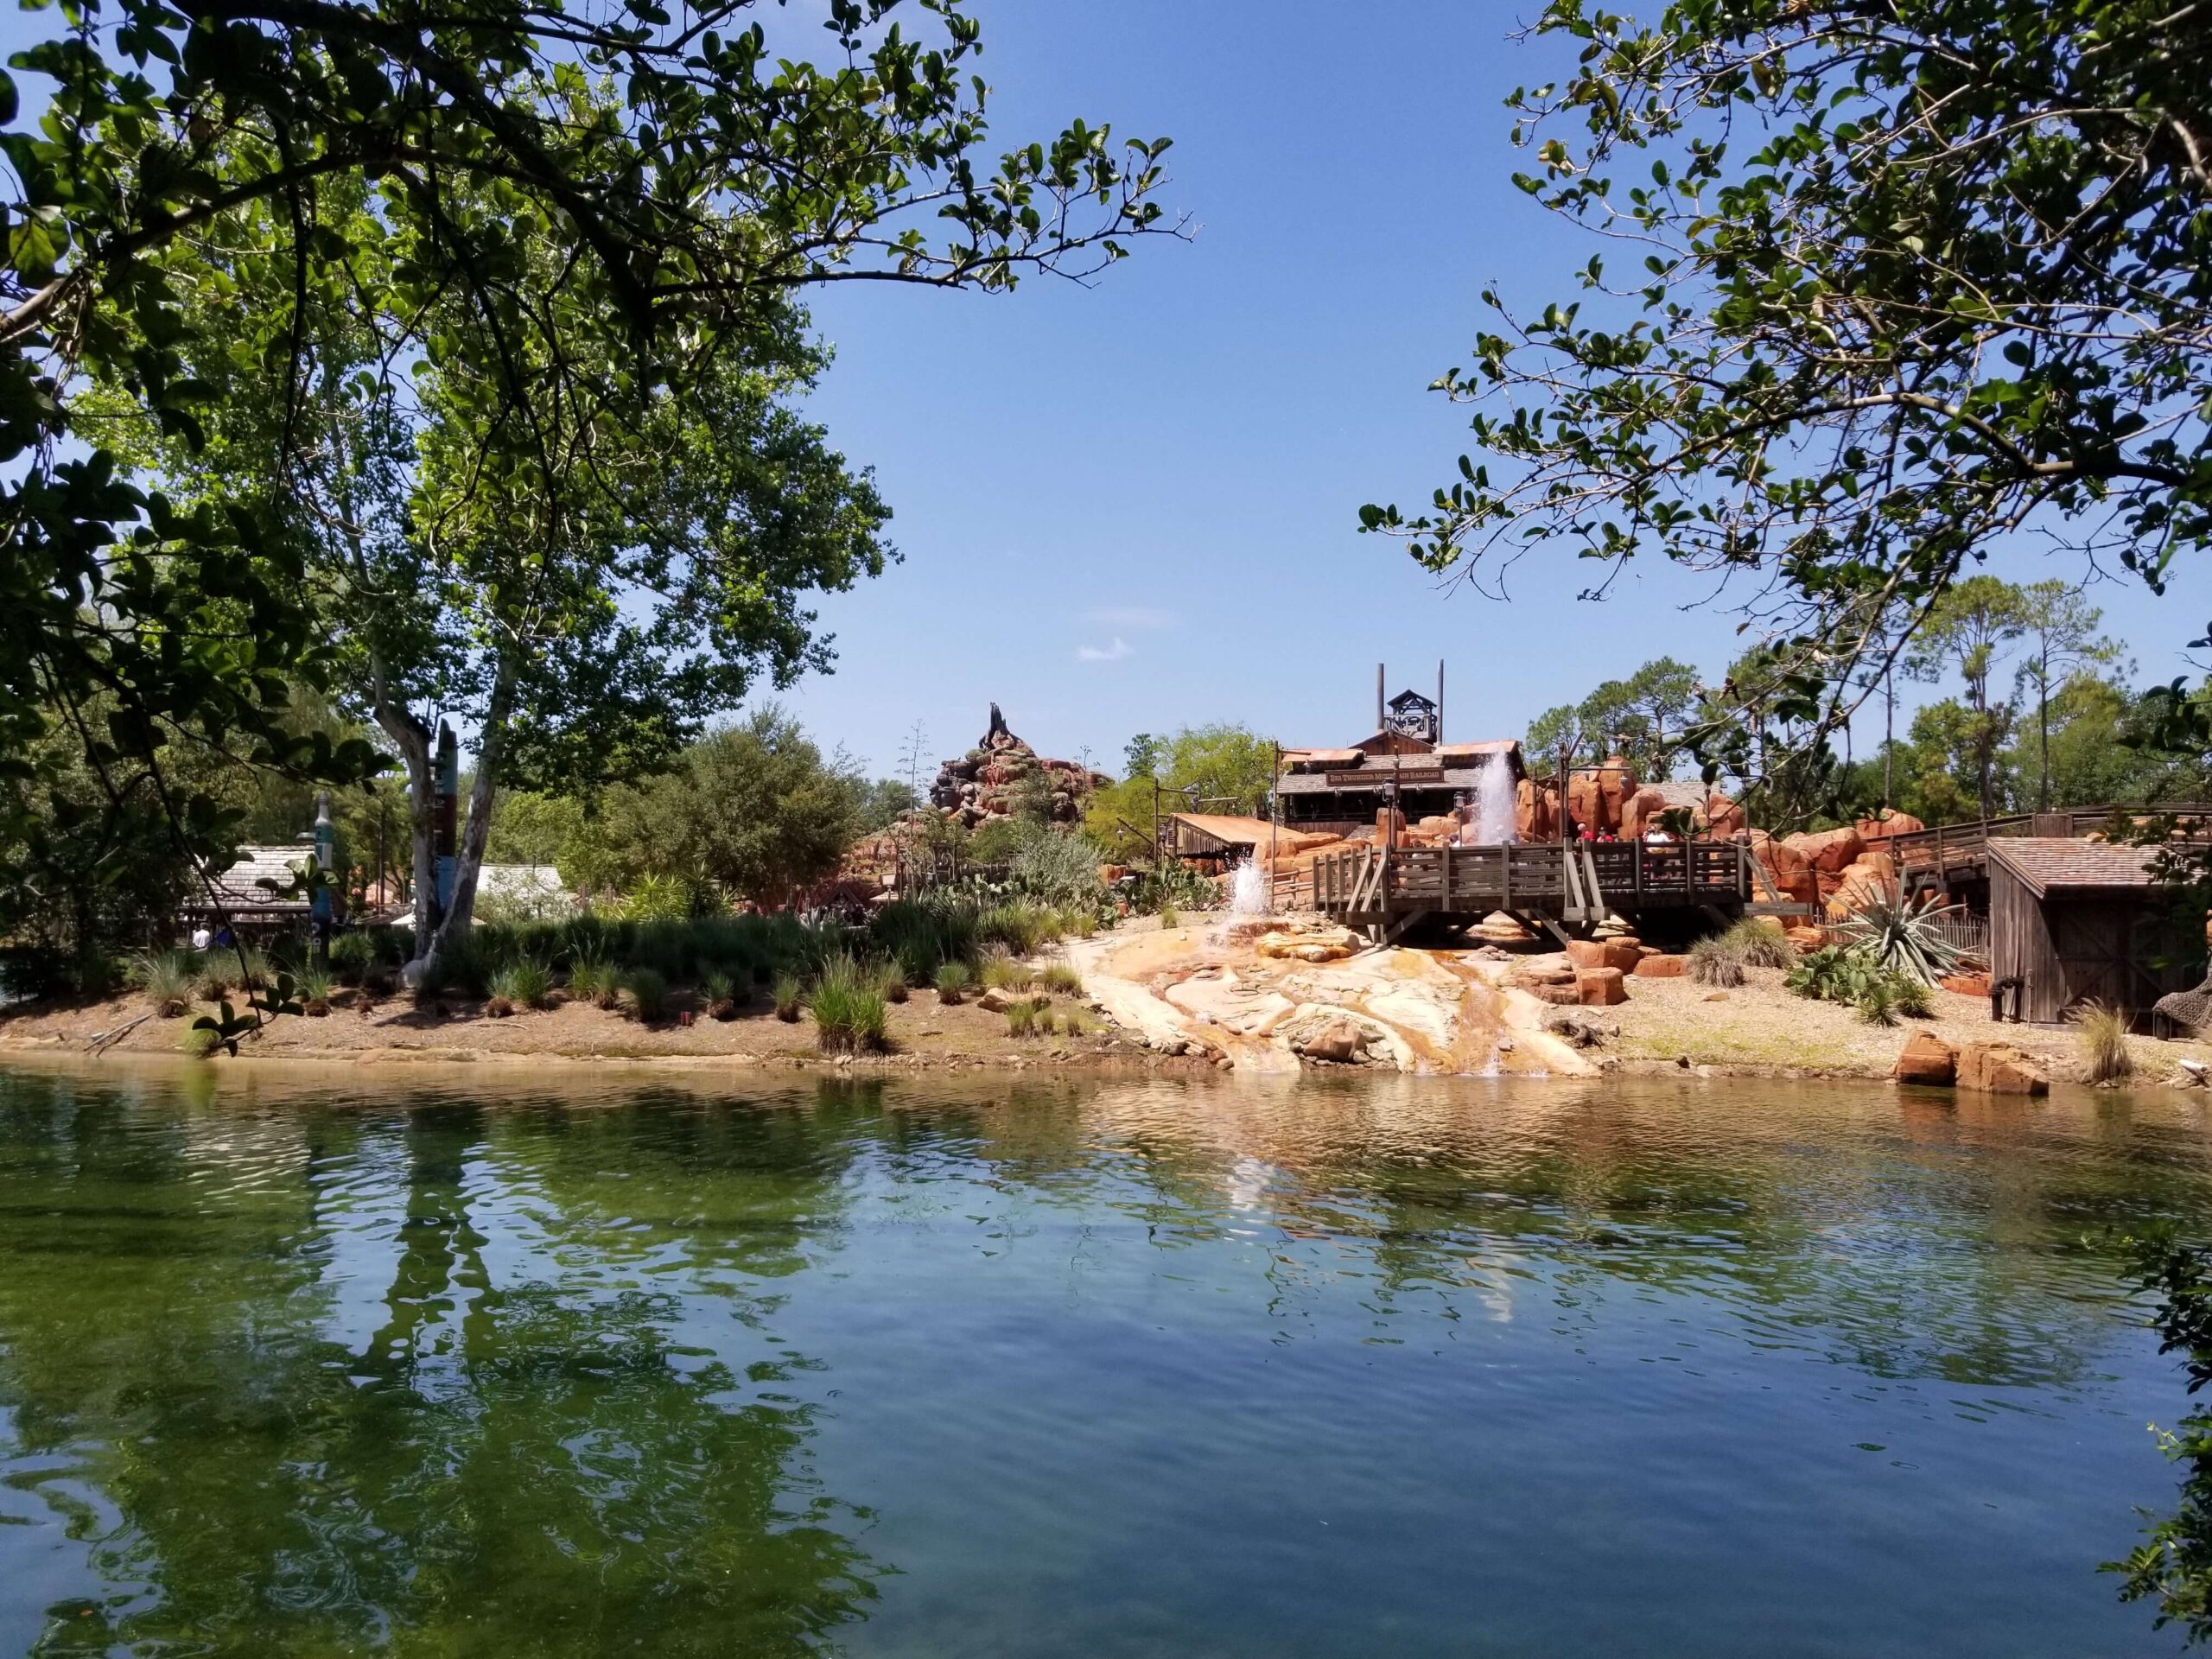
657, 898
1902, 936
1020, 927
1060, 868
199, 1042
313, 987
1877, 1002
167, 977
848, 1013
1021, 1019
1000, 972
218, 975
351, 956
594, 979
2104, 1044
889, 981
953, 981
1759, 945
525, 983
1062, 978
1168, 918
788, 995
1716, 962
1910, 997
645, 990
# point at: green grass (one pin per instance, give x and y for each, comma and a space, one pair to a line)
1061, 978
1169, 918
595, 980
721, 993
351, 954
954, 981
849, 1015
789, 994
1021, 1019
1759, 945
313, 987
1000, 972
169, 977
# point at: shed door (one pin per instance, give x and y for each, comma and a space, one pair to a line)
2093, 939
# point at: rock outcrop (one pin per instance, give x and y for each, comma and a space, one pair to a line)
2000, 1069
1002, 774
1927, 1060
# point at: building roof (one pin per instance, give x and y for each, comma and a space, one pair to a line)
2047, 864
239, 887
1229, 830
1317, 783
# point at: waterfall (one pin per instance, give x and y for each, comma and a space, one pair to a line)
1248, 890
1496, 802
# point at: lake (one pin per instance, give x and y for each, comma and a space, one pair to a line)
311, 1362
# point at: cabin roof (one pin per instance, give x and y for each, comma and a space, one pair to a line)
2045, 864
1317, 783
1444, 753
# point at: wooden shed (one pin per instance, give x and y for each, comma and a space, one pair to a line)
2077, 921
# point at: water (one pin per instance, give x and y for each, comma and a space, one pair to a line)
1496, 803
319, 1363
1248, 890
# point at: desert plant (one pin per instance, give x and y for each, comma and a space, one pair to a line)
1020, 926
953, 981
313, 987
593, 979
525, 983
849, 1014
646, 991
1759, 945
1000, 972
1834, 972
1902, 935
1060, 977
351, 954
1716, 961
788, 995
1877, 1002
1910, 997
167, 977
2104, 1043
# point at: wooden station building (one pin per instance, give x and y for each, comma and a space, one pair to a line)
1405, 762
2073, 922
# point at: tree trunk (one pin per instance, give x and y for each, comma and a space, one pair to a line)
469, 863
413, 738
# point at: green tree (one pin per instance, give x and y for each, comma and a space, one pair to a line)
884, 802
2060, 628
1964, 630
2079, 755
752, 811
1230, 768
1143, 753
580, 212
1872, 336
1553, 731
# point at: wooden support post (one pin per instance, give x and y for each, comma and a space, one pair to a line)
1447, 851
1506, 877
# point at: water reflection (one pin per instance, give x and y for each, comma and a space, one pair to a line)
289, 1364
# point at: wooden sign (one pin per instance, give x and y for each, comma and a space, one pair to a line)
1381, 777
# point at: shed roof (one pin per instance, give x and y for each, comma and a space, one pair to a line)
1229, 830
2046, 864
239, 887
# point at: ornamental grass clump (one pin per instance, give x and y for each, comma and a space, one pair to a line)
313, 986
593, 979
167, 977
1902, 936
1021, 1019
789, 995
849, 1015
1716, 962
1061, 978
646, 991
2104, 1044
1000, 972
889, 981
351, 956
1759, 945
523, 983
720, 992
954, 981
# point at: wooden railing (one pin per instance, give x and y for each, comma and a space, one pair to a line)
1542, 878
1945, 847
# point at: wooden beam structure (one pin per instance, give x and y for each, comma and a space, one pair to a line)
1576, 883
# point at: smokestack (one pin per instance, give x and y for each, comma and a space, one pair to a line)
1378, 697
1440, 699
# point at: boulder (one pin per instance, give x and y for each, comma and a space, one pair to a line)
1887, 822
1641, 811
1976, 985
1619, 954
1322, 943
1552, 972
1882, 864
1601, 987
1999, 1069
1389, 821
1827, 850
1616, 782
1660, 965
1723, 818
1586, 802
1927, 1059
1807, 939
1569, 996
1536, 809
998, 999
1338, 1041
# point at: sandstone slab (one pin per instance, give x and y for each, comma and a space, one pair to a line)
1662, 965
1999, 1069
1927, 1059
1601, 987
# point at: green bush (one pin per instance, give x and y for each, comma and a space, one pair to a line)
646, 990
953, 982
657, 898
351, 956
1020, 926
1021, 1019
1716, 961
1850, 974
1000, 972
1169, 918
1061, 978
525, 983
720, 992
593, 979
313, 987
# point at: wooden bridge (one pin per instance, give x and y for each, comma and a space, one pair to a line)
1569, 886
1957, 855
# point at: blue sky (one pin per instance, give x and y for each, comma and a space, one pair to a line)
1131, 507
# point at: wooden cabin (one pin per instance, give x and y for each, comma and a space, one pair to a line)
2074, 921
1343, 789
1213, 839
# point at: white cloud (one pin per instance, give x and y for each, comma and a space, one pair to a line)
1112, 653
1133, 616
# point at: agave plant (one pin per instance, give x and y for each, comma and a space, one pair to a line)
1904, 937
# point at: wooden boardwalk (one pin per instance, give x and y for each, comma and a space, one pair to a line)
1572, 886
1949, 855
